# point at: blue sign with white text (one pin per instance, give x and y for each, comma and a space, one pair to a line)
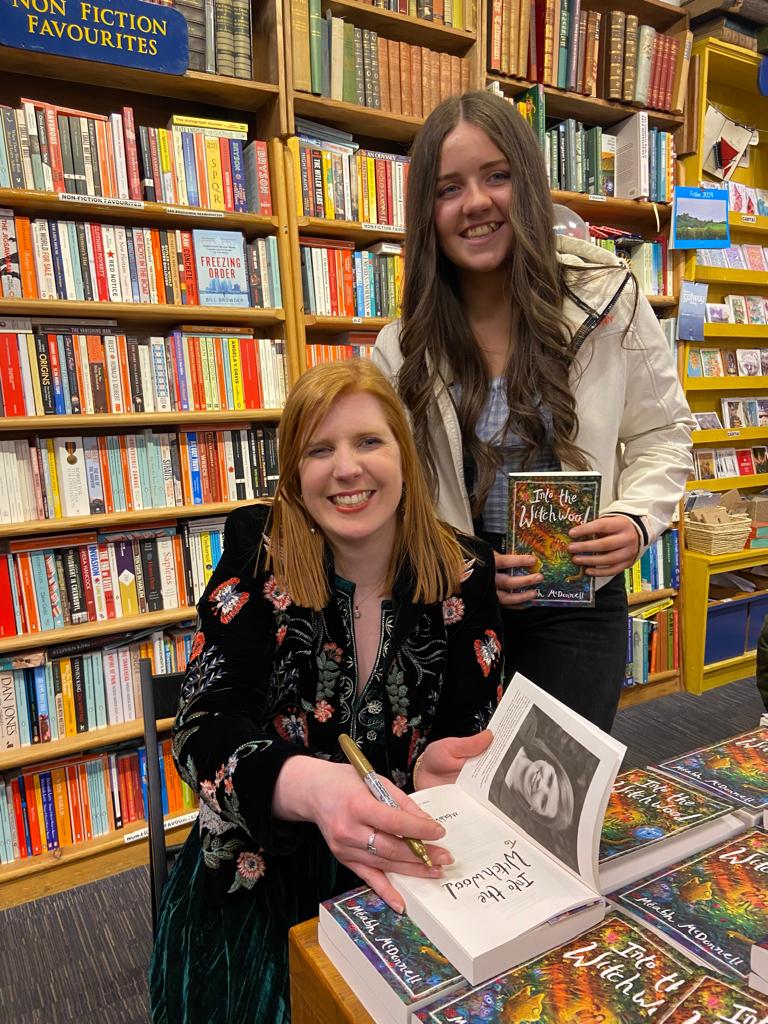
131, 33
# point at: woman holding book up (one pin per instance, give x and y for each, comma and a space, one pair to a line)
345, 607
519, 350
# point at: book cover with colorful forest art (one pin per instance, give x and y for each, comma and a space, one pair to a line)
646, 807
715, 904
614, 973
736, 769
715, 1002
543, 507
397, 949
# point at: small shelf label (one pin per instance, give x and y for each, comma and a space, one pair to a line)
399, 228
597, 199
733, 433
75, 197
188, 211
748, 218
168, 824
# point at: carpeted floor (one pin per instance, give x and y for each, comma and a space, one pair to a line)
82, 955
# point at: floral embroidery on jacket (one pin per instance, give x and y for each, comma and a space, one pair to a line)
250, 868
487, 651
227, 601
453, 610
281, 599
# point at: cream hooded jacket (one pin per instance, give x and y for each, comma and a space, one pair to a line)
634, 422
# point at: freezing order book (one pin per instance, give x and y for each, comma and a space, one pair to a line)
523, 824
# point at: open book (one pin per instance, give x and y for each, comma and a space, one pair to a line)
523, 823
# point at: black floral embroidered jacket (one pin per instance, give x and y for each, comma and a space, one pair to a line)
268, 680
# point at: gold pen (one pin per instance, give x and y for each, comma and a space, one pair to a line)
364, 769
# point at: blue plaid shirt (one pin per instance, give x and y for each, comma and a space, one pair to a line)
490, 428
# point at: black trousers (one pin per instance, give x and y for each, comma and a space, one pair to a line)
579, 655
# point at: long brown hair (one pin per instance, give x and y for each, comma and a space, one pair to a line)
435, 333
297, 548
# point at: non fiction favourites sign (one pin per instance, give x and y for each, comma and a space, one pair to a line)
131, 33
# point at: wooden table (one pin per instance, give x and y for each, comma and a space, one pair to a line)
319, 994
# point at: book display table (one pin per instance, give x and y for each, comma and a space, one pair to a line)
319, 994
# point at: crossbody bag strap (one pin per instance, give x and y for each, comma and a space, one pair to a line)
593, 317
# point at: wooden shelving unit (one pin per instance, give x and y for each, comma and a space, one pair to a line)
102, 89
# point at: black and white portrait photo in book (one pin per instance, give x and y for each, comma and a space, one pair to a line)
541, 783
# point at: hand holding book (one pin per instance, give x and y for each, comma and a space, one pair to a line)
606, 546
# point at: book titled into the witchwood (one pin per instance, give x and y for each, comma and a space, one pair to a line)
543, 507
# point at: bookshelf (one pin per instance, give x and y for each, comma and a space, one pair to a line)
727, 78
262, 104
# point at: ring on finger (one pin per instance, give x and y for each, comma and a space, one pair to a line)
371, 844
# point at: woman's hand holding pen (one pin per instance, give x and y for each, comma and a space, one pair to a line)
605, 546
516, 590
336, 800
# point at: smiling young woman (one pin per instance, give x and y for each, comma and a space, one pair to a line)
518, 350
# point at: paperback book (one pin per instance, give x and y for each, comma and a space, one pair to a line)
736, 770
713, 1001
616, 972
384, 957
543, 507
653, 821
713, 905
222, 273
523, 824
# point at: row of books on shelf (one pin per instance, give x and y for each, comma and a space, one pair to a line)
49, 368
338, 280
82, 797
195, 161
607, 55
91, 262
652, 642
80, 687
361, 66
747, 256
220, 34
658, 568
340, 181
727, 362
318, 353
680, 937
631, 161
714, 463
47, 583
57, 477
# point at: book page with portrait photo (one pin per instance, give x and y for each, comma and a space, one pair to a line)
550, 771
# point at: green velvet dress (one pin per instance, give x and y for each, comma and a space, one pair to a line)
268, 680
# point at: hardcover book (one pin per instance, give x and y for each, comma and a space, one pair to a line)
386, 959
713, 1001
653, 821
736, 770
616, 972
711, 906
523, 824
543, 507
222, 272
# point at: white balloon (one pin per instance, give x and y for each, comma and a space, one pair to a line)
568, 222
